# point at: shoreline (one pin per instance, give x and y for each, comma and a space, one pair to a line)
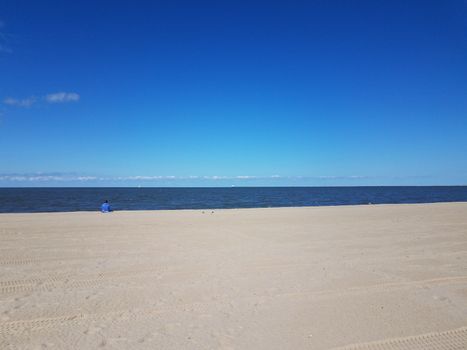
235, 208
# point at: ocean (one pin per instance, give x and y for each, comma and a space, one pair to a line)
30, 200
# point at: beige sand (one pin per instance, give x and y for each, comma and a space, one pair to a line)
288, 278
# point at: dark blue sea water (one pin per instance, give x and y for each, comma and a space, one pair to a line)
27, 200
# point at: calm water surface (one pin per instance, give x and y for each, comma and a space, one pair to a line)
28, 200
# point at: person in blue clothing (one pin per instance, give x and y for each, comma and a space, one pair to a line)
105, 207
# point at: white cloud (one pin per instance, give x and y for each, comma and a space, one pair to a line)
143, 177
75, 177
62, 177
45, 177
25, 102
215, 177
60, 97
334, 177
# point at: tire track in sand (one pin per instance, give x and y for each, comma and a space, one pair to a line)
19, 326
69, 281
15, 261
26, 261
379, 287
453, 339
14, 328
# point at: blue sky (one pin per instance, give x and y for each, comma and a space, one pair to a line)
220, 93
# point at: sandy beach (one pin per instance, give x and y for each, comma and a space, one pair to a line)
393, 276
